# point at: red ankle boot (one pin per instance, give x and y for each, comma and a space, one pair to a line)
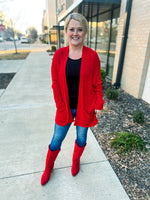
50, 159
76, 159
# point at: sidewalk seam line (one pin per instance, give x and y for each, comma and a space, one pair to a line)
36, 172
22, 106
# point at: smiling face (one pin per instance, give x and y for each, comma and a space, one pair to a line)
75, 33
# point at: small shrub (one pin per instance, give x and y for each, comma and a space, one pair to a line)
103, 76
138, 117
42, 40
126, 141
112, 94
53, 48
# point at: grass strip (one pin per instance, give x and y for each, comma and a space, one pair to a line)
14, 56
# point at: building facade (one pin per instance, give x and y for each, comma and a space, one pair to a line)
9, 27
49, 23
136, 68
126, 63
45, 30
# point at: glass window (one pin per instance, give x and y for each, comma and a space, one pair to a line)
89, 33
113, 37
93, 32
53, 37
86, 10
62, 34
103, 38
62, 38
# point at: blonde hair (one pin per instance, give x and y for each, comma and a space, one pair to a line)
77, 17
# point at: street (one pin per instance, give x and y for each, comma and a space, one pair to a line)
9, 45
6, 46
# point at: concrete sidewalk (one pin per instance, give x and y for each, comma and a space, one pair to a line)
27, 112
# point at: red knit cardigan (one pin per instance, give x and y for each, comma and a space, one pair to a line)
90, 88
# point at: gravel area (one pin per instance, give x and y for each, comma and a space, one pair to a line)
133, 170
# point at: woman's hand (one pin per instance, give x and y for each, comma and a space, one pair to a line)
98, 112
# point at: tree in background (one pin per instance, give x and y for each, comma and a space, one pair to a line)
32, 33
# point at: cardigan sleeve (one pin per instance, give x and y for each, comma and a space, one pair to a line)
98, 85
55, 83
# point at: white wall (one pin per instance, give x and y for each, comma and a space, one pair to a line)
146, 92
51, 11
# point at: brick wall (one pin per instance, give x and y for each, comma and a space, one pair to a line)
136, 50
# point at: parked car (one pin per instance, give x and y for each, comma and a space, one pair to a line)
1, 39
10, 39
24, 40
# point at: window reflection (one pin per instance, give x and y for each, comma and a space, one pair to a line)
89, 33
113, 37
53, 37
62, 38
103, 38
93, 32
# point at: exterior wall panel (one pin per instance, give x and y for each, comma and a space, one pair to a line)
51, 10
138, 35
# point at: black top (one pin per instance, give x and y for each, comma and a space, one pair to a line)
73, 77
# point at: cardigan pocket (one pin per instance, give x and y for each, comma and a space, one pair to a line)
61, 117
61, 106
90, 103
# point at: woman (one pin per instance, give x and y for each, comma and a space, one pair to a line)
77, 90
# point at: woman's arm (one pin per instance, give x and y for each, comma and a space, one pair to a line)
98, 85
55, 83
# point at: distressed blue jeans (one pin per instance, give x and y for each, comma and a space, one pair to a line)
60, 133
